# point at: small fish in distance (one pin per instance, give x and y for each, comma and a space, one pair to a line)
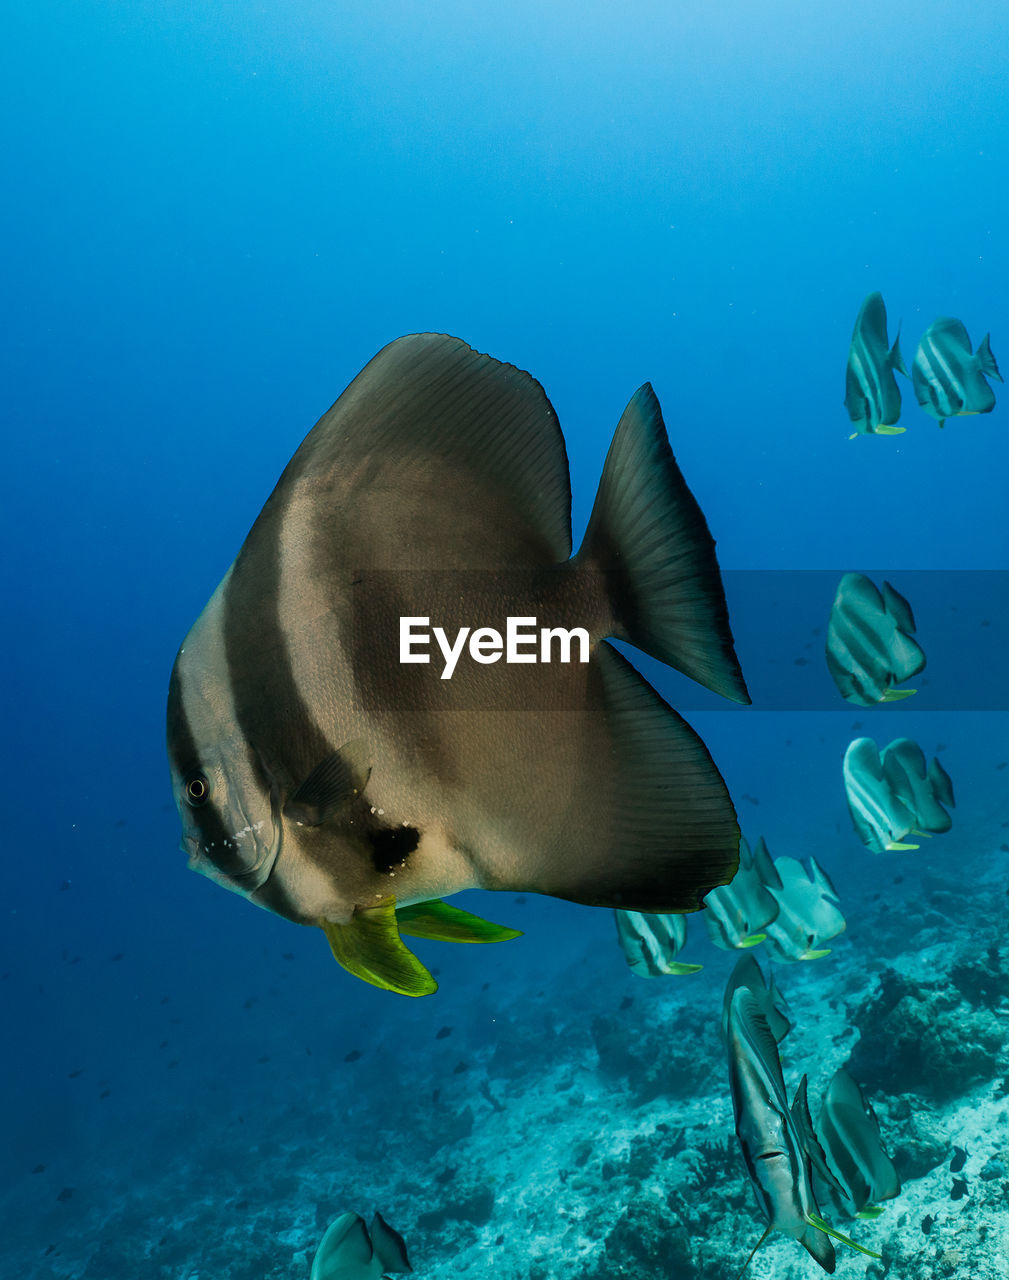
948, 379
651, 943
314, 772
871, 394
870, 648
878, 816
737, 914
808, 912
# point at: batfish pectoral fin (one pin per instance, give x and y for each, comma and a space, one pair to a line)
443, 922
897, 695
332, 786
371, 949
816, 1221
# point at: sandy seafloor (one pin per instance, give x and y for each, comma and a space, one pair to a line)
549, 1114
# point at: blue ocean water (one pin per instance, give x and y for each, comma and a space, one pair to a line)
215, 216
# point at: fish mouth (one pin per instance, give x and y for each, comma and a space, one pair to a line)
248, 880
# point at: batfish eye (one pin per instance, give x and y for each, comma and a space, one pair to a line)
197, 789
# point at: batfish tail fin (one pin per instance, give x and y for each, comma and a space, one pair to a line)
389, 1246
985, 359
816, 1241
649, 539
942, 783
895, 359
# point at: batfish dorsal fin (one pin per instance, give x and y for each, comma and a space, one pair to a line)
438, 456
942, 783
370, 948
332, 786
443, 922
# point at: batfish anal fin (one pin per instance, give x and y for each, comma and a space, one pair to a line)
674, 834
648, 537
332, 787
371, 949
443, 922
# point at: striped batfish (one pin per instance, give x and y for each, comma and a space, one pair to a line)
340, 780
351, 1250
948, 380
651, 943
849, 1134
870, 645
871, 394
737, 915
778, 1144
879, 816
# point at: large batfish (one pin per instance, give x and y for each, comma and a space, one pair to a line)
334, 776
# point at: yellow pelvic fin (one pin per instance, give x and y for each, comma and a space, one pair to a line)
677, 969
752, 940
816, 955
884, 429
854, 435
893, 845
445, 923
871, 1212
371, 949
897, 695
926, 835
815, 1221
